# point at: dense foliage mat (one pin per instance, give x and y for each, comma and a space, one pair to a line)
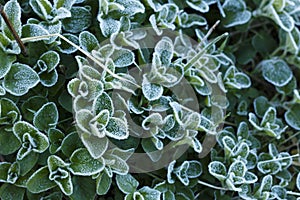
150, 99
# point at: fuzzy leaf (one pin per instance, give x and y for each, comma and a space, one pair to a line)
48, 60
127, 183
39, 181
218, 170
149, 193
103, 183
103, 102
276, 72
13, 12
79, 21
131, 7
42, 8
151, 91
88, 41
109, 26
95, 145
46, 117
83, 164
20, 79
292, 117
117, 129
236, 13
122, 57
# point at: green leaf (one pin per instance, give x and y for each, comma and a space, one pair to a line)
48, 60
109, 26
27, 163
64, 3
34, 30
88, 41
131, 7
298, 181
269, 117
122, 57
42, 8
5, 63
292, 117
67, 48
276, 71
84, 188
32, 139
195, 169
8, 147
151, 91
39, 181
116, 164
46, 117
9, 192
80, 20
117, 129
20, 79
103, 102
149, 193
218, 170
235, 13
59, 174
103, 183
31, 106
13, 12
56, 138
70, 143
261, 105
83, 164
199, 5
127, 183
95, 145
263, 43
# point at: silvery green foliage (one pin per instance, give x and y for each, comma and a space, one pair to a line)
71, 126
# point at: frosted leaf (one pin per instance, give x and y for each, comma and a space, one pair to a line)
127, 183
298, 181
117, 164
109, 26
269, 117
165, 50
103, 102
51, 60
195, 169
27, 133
52, 28
13, 12
64, 3
5, 62
49, 79
88, 41
235, 13
151, 91
42, 8
199, 5
46, 117
218, 170
60, 13
95, 145
83, 118
292, 117
80, 20
131, 7
33, 30
276, 71
238, 168
73, 87
65, 47
20, 79
83, 164
149, 193
39, 181
103, 183
188, 20
122, 57
117, 129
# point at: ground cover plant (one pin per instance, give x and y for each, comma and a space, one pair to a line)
150, 99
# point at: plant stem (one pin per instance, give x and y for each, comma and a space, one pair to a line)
212, 186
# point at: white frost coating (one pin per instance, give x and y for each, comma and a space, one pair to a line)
20, 79
109, 26
13, 11
151, 91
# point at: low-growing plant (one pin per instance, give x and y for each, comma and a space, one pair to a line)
150, 99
